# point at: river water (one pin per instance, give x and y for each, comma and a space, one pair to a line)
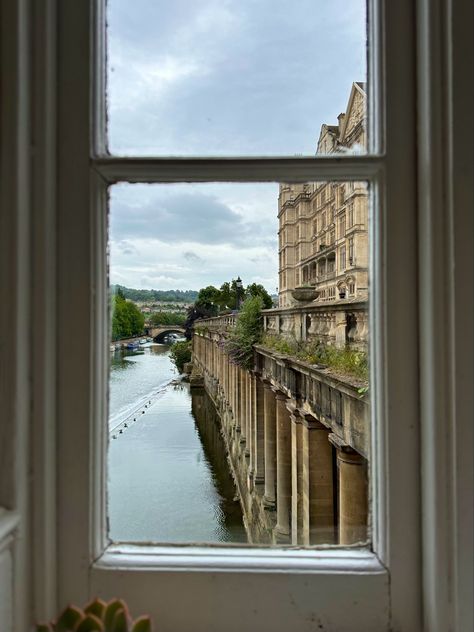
168, 476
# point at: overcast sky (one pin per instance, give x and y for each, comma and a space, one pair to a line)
218, 77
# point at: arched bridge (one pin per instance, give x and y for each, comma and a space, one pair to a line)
159, 333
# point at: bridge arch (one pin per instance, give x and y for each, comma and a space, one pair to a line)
159, 333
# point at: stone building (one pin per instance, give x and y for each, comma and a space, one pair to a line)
323, 226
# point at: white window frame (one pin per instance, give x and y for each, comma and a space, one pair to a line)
215, 588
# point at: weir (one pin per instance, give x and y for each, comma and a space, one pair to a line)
297, 439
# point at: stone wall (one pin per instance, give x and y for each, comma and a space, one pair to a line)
297, 439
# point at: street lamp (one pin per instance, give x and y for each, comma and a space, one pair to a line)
238, 285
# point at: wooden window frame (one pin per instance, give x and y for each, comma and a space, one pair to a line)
205, 589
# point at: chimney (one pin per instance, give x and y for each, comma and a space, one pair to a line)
340, 119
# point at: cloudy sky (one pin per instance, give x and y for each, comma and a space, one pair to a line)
218, 77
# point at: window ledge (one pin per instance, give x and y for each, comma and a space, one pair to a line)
252, 560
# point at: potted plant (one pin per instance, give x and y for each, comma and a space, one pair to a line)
97, 616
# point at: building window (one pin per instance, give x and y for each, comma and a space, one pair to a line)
351, 215
351, 251
342, 226
342, 258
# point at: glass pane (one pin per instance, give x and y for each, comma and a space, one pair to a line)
239, 404
243, 78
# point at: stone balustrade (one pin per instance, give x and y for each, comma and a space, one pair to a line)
297, 438
339, 323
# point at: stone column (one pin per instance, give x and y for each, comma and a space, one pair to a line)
296, 479
259, 435
251, 411
283, 439
248, 446
318, 490
352, 496
242, 407
238, 422
269, 412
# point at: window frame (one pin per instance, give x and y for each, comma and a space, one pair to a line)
391, 597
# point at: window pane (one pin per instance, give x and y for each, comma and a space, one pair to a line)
257, 430
217, 77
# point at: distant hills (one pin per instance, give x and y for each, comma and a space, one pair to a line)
175, 296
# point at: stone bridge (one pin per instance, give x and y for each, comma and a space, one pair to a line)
158, 333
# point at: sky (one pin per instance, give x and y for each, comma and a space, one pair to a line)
218, 77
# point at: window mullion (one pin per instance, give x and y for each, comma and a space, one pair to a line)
320, 168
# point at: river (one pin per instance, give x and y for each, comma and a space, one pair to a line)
168, 476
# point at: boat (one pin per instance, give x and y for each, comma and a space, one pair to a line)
133, 345
143, 341
112, 348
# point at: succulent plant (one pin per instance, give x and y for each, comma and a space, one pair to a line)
97, 616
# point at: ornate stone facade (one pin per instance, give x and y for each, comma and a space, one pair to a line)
323, 226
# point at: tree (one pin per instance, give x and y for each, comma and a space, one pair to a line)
127, 320
256, 289
168, 318
194, 313
209, 299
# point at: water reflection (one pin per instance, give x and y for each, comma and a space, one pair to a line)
207, 424
168, 476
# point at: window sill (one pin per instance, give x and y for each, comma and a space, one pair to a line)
241, 559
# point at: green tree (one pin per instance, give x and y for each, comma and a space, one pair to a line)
256, 289
209, 299
127, 320
168, 318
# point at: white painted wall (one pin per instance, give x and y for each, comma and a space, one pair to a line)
6, 590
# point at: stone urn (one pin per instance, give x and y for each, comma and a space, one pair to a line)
304, 293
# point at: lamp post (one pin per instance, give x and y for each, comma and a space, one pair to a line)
238, 285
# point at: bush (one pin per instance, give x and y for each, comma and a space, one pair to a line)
180, 353
246, 333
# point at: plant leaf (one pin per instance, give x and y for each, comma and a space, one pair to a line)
97, 607
111, 609
69, 619
142, 624
90, 624
120, 622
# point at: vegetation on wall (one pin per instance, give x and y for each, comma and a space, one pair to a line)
246, 333
180, 354
127, 320
345, 360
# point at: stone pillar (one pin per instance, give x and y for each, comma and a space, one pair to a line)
269, 412
318, 484
352, 496
283, 439
242, 407
251, 426
248, 410
238, 389
259, 436
296, 479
